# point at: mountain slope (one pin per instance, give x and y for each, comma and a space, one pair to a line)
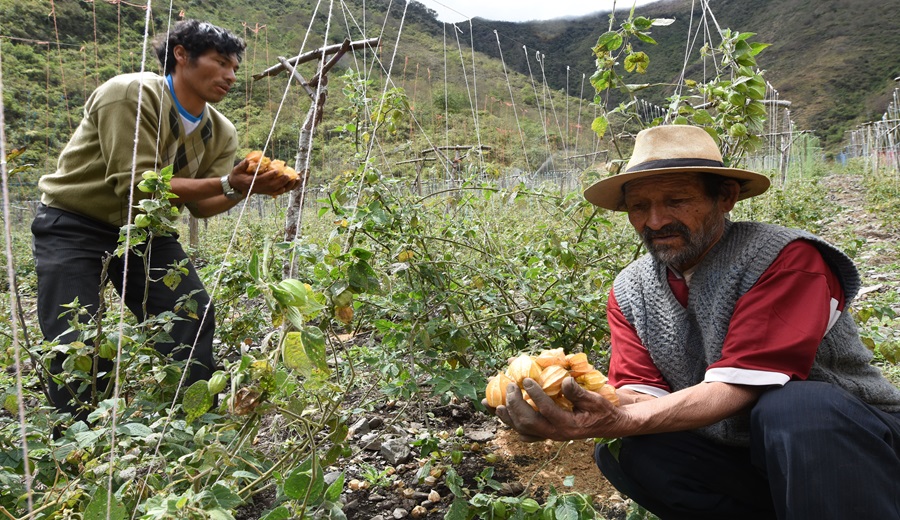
835, 60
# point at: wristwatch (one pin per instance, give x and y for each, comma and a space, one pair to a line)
229, 191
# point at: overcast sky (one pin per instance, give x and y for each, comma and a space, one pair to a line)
522, 10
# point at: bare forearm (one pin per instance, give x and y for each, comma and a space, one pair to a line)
194, 190
694, 407
211, 206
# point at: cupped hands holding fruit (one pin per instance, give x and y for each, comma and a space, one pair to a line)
555, 396
272, 177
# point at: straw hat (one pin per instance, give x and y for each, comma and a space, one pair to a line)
672, 149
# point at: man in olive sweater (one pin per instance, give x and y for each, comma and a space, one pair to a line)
131, 124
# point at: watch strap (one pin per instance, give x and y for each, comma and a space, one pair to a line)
229, 191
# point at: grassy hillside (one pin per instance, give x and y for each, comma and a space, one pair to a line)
833, 63
835, 60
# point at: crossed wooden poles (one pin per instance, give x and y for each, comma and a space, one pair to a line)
317, 90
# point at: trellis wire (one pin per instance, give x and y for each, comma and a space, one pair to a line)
877, 143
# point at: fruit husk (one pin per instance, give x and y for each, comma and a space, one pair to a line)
256, 160
578, 364
551, 379
523, 367
552, 357
609, 393
277, 166
495, 394
592, 381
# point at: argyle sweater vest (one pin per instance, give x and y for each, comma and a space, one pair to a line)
683, 342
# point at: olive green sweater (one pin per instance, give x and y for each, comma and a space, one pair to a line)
94, 173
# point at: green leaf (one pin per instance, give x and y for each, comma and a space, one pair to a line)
134, 430
454, 482
599, 126
566, 511
459, 510
333, 493
637, 61
196, 400
600, 80
279, 513
702, 117
646, 38
663, 22
253, 266
103, 502
362, 254
294, 356
217, 513
609, 41
362, 277
172, 279
569, 481
306, 482
226, 498
314, 344
642, 23
757, 47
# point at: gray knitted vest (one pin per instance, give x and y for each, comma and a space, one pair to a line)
683, 342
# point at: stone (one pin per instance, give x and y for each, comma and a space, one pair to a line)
396, 451
360, 427
400, 513
480, 435
371, 442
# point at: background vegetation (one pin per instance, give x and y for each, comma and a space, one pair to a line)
397, 294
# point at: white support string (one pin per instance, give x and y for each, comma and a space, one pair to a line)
566, 136
13, 304
387, 81
462, 62
549, 93
446, 106
538, 103
475, 96
580, 107
230, 246
512, 99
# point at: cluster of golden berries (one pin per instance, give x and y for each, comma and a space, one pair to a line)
256, 160
549, 369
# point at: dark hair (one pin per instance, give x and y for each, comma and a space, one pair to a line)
196, 37
714, 184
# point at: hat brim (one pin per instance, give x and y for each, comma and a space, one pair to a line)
608, 194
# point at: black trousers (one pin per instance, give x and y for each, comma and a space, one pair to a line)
69, 250
816, 453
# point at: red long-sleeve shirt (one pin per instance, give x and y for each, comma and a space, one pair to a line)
773, 336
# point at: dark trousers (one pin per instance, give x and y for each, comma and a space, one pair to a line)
816, 453
69, 250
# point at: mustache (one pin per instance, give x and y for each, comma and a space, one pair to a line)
675, 228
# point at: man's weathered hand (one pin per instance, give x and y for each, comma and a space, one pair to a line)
592, 415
